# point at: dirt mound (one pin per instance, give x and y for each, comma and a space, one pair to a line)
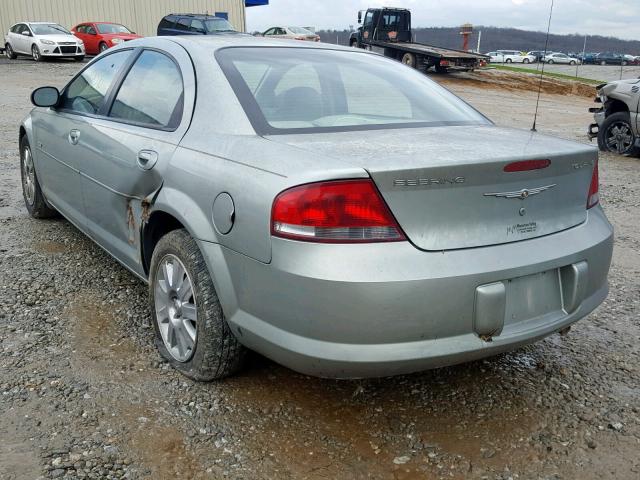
515, 81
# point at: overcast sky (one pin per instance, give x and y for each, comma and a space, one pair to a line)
619, 18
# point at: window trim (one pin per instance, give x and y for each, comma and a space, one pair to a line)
262, 127
114, 88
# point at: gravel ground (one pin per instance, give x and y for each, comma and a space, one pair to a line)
84, 394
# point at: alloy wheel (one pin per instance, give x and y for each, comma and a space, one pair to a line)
28, 177
175, 307
8, 51
35, 53
619, 137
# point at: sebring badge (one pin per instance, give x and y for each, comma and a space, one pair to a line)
521, 194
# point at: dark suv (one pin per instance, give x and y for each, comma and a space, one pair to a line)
193, 24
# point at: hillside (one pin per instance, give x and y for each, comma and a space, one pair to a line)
494, 38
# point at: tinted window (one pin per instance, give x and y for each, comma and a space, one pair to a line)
167, 22
81, 29
298, 90
16, 28
86, 93
183, 24
152, 93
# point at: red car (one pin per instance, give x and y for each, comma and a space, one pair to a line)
99, 36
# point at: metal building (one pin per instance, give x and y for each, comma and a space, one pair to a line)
142, 16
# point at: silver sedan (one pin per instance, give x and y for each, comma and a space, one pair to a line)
327, 207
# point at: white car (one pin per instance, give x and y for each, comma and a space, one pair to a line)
42, 39
561, 58
292, 33
510, 56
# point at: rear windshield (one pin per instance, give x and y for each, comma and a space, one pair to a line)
303, 90
112, 28
300, 31
49, 29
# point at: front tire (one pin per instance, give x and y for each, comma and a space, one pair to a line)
35, 53
103, 46
354, 44
508, 60
32, 193
616, 135
79, 58
526, 60
572, 63
550, 62
191, 331
8, 51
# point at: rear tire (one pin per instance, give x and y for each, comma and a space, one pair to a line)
214, 351
603, 63
34, 199
508, 60
409, 59
354, 44
572, 63
8, 51
526, 60
550, 62
616, 135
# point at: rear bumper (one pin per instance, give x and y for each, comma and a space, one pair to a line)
384, 309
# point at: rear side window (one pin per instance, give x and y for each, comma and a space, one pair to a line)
152, 93
167, 22
86, 93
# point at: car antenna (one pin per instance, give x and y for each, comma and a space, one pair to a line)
546, 45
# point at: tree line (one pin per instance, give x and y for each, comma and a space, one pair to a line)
494, 38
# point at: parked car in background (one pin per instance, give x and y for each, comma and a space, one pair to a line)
339, 230
560, 58
588, 58
616, 117
609, 58
99, 36
42, 40
538, 54
510, 56
292, 33
194, 24
630, 59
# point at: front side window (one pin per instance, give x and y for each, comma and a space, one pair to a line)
299, 90
152, 93
86, 93
49, 29
368, 19
197, 26
214, 25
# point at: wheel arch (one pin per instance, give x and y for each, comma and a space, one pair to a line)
171, 210
615, 105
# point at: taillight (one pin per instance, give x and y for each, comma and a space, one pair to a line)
594, 196
343, 211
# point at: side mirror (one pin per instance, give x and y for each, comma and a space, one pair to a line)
360, 17
45, 97
26, 33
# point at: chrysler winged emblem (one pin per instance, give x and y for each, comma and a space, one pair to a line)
521, 194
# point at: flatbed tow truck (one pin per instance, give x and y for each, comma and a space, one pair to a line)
388, 31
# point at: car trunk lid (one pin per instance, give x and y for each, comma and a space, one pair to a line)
448, 188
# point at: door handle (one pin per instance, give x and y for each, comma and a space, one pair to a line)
74, 136
147, 159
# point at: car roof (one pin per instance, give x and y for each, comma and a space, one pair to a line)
217, 42
199, 16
